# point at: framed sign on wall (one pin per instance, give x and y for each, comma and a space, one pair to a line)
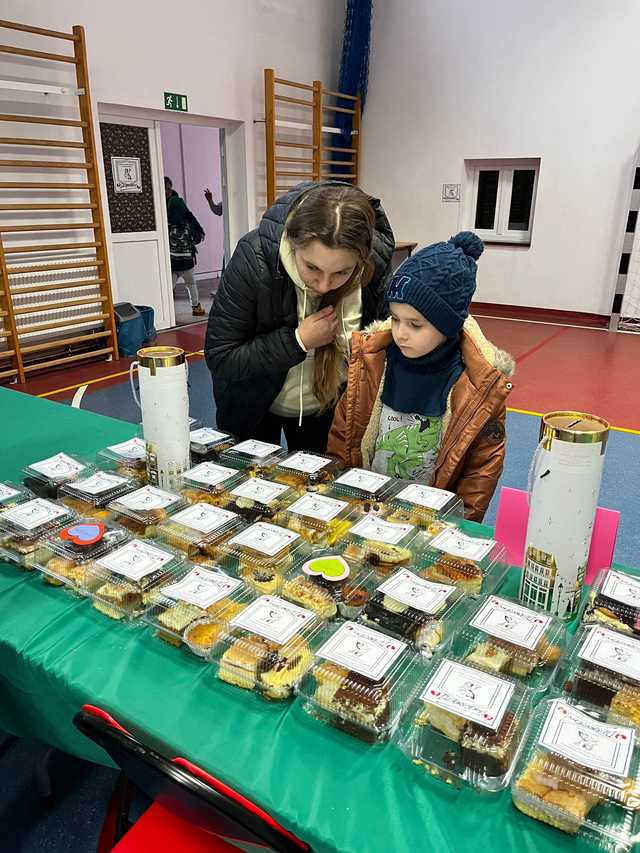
127, 175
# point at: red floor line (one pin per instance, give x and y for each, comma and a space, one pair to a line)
539, 346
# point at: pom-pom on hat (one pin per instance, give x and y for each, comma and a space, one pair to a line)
439, 281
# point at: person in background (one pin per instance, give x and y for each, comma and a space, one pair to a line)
182, 247
296, 287
216, 207
426, 394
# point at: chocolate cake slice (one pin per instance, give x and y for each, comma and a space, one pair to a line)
489, 752
361, 706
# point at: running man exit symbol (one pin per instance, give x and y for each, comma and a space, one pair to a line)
177, 103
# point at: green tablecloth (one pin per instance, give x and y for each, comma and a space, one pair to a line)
57, 652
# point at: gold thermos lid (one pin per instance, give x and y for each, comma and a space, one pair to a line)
573, 427
155, 357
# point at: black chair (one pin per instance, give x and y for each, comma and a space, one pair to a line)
190, 807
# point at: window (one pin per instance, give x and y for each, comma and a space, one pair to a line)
503, 196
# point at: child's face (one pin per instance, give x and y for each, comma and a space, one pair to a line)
413, 333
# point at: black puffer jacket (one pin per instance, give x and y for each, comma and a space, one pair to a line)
250, 343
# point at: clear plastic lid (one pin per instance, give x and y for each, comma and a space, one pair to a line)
466, 726
268, 646
614, 601
131, 453
65, 556
208, 482
209, 443
424, 506
145, 508
199, 529
307, 470
422, 612
184, 610
253, 456
329, 584
256, 498
262, 552
121, 583
366, 490
580, 772
384, 545
97, 490
602, 667
58, 469
12, 494
321, 520
361, 681
23, 526
501, 635
474, 564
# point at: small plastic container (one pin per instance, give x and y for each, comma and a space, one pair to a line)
614, 601
261, 553
121, 584
311, 472
361, 682
428, 508
500, 635
580, 772
602, 667
184, 611
89, 496
64, 557
129, 458
268, 646
256, 498
321, 520
254, 457
12, 494
421, 612
23, 526
327, 583
365, 490
198, 531
209, 483
475, 565
141, 511
385, 545
207, 444
467, 726
45, 477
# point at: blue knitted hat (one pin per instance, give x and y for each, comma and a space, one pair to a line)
439, 281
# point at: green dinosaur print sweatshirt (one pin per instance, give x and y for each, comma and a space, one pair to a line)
407, 445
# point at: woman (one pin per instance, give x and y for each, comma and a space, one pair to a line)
295, 289
182, 249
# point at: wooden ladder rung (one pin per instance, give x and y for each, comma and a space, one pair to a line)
340, 95
55, 362
47, 206
330, 176
294, 175
340, 150
50, 185
293, 85
5, 374
37, 54
78, 339
304, 145
44, 164
48, 247
71, 265
65, 285
337, 163
57, 226
39, 31
7, 353
299, 101
41, 143
61, 324
43, 307
59, 122
6, 333
329, 109
294, 160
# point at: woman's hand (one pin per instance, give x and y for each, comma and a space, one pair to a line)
319, 329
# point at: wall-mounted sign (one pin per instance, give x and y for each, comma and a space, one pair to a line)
177, 103
127, 177
451, 192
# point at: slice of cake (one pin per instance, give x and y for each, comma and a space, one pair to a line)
489, 752
241, 662
362, 707
283, 668
307, 593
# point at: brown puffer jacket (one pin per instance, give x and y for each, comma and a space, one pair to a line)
472, 452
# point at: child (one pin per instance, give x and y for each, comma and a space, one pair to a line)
426, 394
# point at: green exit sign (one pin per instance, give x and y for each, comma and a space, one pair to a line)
178, 103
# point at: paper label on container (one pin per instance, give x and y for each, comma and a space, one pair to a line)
210, 474
58, 467
7, 492
621, 587
135, 560
458, 544
511, 622
613, 651
134, 449
256, 489
148, 498
202, 587
267, 539
366, 481
362, 650
425, 496
416, 592
203, 517
273, 618
257, 449
377, 530
318, 507
34, 514
207, 436
577, 736
98, 483
469, 693
306, 462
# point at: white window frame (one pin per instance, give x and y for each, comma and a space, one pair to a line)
500, 233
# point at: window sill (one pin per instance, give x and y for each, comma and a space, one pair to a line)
500, 241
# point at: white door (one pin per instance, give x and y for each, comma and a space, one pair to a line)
140, 257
